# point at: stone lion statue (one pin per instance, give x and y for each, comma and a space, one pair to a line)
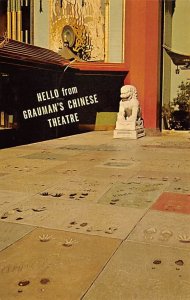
129, 108
129, 124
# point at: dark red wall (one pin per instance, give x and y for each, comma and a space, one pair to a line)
143, 23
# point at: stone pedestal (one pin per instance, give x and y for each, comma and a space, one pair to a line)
129, 122
129, 131
128, 134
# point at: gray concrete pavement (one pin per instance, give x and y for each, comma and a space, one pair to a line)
92, 217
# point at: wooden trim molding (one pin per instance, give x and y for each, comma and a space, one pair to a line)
100, 66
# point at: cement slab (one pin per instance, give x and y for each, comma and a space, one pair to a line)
179, 186
144, 272
163, 228
138, 194
79, 188
46, 155
10, 233
106, 147
70, 168
8, 199
173, 202
93, 219
2, 174
24, 184
162, 175
118, 164
22, 213
169, 144
22, 166
47, 145
176, 166
109, 175
90, 156
62, 267
14, 152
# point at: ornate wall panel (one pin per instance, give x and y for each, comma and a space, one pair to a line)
80, 25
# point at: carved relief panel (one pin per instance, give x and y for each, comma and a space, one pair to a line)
78, 25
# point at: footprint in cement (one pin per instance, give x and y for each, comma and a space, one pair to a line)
57, 195
157, 262
179, 262
24, 283
44, 281
45, 194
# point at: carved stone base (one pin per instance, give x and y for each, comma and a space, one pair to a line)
126, 125
129, 134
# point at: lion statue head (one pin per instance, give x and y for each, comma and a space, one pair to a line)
129, 92
129, 105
